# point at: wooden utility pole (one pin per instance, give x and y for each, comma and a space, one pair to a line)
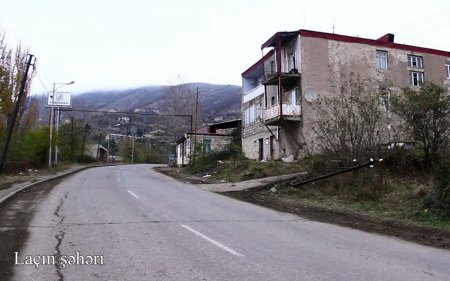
16, 112
195, 130
86, 129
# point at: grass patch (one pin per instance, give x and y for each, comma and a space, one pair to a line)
221, 168
403, 200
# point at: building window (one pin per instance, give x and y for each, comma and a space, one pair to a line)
447, 68
416, 78
272, 101
250, 115
273, 68
382, 60
206, 145
415, 61
385, 99
259, 109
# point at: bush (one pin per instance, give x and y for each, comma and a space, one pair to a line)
439, 200
365, 184
86, 159
33, 147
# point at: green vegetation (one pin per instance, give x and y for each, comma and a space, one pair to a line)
411, 184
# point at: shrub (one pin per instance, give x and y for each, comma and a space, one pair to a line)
439, 199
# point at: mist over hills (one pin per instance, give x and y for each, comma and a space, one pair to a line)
217, 102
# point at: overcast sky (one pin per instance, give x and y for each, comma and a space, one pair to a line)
117, 44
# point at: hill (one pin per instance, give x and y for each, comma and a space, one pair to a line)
216, 101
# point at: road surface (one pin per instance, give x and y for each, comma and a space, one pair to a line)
131, 223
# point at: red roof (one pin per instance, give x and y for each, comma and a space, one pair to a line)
382, 42
258, 63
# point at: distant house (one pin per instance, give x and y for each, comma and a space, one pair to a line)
123, 119
212, 138
99, 152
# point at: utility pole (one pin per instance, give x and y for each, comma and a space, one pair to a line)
86, 128
109, 140
195, 129
58, 119
16, 112
98, 146
72, 140
132, 150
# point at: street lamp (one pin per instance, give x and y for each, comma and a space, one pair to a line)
52, 117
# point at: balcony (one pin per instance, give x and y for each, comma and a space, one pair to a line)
253, 93
289, 75
291, 112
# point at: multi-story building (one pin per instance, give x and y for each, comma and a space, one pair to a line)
280, 90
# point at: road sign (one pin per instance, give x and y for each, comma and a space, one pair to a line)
61, 99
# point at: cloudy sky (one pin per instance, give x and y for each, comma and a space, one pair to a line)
117, 44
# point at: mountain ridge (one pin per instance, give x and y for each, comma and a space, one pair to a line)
215, 101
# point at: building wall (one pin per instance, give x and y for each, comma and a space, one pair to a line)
325, 62
322, 64
218, 143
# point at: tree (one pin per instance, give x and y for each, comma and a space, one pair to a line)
182, 100
351, 122
70, 140
12, 68
426, 113
35, 146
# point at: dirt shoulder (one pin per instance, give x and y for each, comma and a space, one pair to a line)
179, 175
263, 196
419, 234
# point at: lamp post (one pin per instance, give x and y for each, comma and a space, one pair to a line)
52, 117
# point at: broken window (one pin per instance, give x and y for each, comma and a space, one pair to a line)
382, 60
415, 61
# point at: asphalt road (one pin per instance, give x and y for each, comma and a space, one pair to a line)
131, 223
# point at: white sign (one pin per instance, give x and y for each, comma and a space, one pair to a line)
61, 99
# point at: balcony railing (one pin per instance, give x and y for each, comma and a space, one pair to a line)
290, 112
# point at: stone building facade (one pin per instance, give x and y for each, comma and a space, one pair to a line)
302, 66
210, 138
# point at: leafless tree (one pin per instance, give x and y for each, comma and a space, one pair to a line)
351, 121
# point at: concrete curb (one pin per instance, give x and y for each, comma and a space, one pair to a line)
243, 185
19, 188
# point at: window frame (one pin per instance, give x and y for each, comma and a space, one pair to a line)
382, 60
207, 145
447, 69
415, 61
250, 114
418, 80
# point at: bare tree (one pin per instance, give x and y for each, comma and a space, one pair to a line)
351, 122
182, 101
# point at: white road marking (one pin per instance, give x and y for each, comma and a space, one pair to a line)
218, 244
132, 193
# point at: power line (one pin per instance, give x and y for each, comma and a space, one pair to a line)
130, 113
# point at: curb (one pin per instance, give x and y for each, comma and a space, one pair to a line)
247, 184
14, 191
